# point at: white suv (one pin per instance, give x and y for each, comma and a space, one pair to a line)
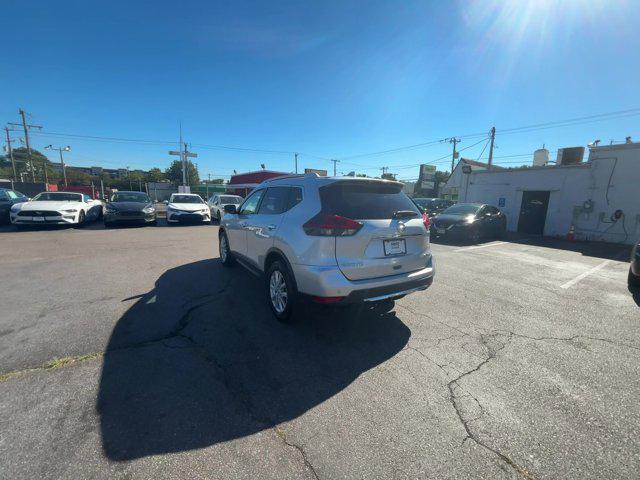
334, 240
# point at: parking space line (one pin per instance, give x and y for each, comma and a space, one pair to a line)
584, 275
494, 244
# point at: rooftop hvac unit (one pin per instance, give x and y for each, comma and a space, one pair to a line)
570, 156
540, 157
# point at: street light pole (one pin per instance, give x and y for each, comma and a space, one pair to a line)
60, 150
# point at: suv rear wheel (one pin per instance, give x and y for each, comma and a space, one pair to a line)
226, 257
281, 293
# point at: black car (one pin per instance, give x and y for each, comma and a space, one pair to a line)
9, 198
634, 268
129, 208
470, 221
432, 206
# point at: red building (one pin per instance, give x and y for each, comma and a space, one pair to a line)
242, 183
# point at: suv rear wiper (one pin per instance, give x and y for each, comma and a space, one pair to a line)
404, 214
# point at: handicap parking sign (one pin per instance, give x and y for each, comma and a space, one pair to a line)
502, 201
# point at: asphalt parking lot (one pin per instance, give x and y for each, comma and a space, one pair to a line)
132, 353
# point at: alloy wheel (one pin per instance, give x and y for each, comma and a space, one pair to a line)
278, 291
223, 248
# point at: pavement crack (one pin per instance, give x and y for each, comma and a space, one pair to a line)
52, 365
570, 339
455, 400
283, 436
421, 314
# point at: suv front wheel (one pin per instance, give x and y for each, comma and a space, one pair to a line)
281, 293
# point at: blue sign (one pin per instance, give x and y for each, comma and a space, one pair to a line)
502, 201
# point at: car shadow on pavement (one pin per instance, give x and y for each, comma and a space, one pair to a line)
200, 360
604, 250
635, 294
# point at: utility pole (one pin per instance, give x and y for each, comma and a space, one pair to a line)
184, 158
13, 162
60, 150
296, 155
335, 162
454, 155
493, 137
26, 127
183, 153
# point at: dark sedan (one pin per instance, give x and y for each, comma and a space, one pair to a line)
634, 268
9, 198
129, 208
470, 221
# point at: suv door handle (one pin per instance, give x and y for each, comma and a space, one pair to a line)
271, 227
243, 224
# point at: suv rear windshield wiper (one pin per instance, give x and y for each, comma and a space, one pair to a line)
404, 214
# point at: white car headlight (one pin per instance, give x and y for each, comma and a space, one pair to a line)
70, 210
16, 208
148, 210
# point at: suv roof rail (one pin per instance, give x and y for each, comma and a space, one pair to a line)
293, 175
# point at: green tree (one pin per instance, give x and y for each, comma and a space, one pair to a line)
155, 175
21, 158
174, 173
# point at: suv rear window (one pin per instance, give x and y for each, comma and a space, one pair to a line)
364, 200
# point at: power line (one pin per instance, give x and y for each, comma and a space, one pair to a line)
522, 129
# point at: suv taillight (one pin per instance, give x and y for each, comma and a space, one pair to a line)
329, 225
426, 220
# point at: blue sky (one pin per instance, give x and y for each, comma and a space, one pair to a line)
330, 79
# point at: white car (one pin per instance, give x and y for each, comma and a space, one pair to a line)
60, 208
218, 201
187, 207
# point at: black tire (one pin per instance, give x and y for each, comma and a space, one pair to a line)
81, 218
107, 225
226, 257
502, 233
279, 279
633, 280
475, 236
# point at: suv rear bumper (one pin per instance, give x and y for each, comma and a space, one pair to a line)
329, 281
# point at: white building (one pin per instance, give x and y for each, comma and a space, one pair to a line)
457, 180
600, 198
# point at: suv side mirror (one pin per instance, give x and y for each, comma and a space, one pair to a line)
166, 202
230, 209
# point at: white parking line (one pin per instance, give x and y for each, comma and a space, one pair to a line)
571, 283
494, 244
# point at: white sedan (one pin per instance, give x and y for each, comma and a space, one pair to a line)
219, 201
187, 207
60, 208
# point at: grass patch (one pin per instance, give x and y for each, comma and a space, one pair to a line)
51, 365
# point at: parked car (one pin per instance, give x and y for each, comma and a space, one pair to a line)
217, 203
470, 221
433, 206
333, 240
634, 268
61, 208
187, 207
8, 198
128, 208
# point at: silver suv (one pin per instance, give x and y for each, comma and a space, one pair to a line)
333, 240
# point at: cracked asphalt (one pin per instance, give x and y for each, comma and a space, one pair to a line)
131, 353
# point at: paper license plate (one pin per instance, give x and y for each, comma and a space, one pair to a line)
395, 247
38, 219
